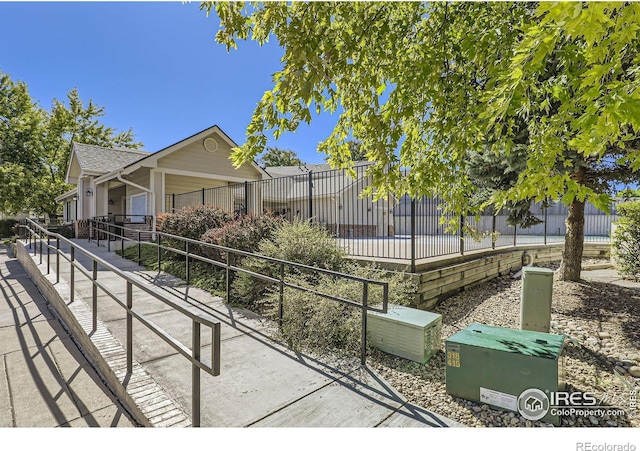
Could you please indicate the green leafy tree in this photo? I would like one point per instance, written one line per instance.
(421, 85)
(493, 173)
(21, 152)
(279, 157)
(35, 145)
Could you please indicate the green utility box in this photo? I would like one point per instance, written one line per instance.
(495, 365)
(535, 299)
(405, 332)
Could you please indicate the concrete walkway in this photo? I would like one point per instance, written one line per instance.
(45, 381)
(608, 275)
(262, 383)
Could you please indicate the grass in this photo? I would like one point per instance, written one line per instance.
(201, 274)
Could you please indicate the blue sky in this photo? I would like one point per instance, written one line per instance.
(153, 66)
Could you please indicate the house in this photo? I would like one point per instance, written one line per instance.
(131, 186)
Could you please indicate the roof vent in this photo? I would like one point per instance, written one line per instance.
(211, 145)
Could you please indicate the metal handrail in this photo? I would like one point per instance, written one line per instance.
(94, 225)
(32, 231)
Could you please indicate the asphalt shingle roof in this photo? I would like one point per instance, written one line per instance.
(105, 159)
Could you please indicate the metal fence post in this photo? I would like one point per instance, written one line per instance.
(40, 238)
(546, 211)
(310, 196)
(515, 234)
(246, 198)
(413, 235)
(159, 250)
(173, 202)
(461, 234)
(202, 196)
(493, 232)
(95, 296)
(139, 250)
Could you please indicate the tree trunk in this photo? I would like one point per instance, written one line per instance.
(573, 243)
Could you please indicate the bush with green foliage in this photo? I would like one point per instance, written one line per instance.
(191, 222)
(243, 233)
(6, 227)
(312, 322)
(625, 246)
(299, 242)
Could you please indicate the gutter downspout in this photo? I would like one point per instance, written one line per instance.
(153, 196)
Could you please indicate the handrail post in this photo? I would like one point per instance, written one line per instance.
(139, 250)
(385, 297)
(195, 376)
(129, 328)
(121, 242)
(186, 249)
(48, 254)
(159, 249)
(72, 274)
(94, 296)
(57, 259)
(365, 301)
(97, 231)
(515, 234)
(228, 276)
(281, 303)
(40, 239)
(90, 230)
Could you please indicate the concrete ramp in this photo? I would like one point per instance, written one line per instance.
(262, 383)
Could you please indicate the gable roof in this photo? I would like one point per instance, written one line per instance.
(152, 159)
(105, 159)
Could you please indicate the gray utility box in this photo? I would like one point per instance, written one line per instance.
(535, 299)
(405, 332)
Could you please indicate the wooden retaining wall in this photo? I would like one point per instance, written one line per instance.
(458, 273)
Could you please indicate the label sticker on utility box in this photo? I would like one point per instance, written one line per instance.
(497, 398)
(453, 355)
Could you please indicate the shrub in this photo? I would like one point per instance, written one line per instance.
(191, 222)
(625, 247)
(312, 322)
(6, 227)
(299, 242)
(243, 233)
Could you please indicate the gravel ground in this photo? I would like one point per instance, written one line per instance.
(601, 320)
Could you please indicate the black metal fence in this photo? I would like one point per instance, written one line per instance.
(394, 228)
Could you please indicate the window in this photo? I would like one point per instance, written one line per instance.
(138, 207)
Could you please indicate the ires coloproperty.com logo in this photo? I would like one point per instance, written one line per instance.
(534, 404)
